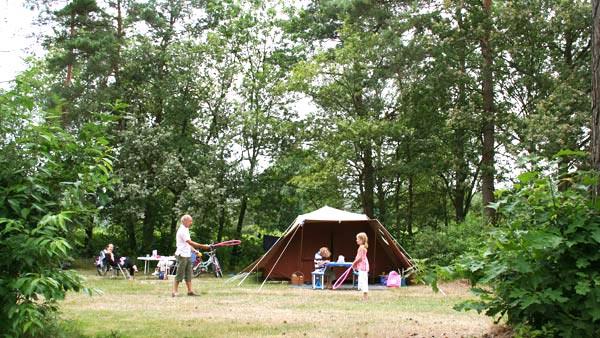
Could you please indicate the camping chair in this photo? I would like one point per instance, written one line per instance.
(100, 263)
(103, 267)
(318, 279)
(124, 272)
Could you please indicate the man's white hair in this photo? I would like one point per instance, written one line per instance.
(185, 217)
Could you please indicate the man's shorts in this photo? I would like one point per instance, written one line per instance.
(184, 269)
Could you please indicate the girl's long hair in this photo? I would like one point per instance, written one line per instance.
(363, 237)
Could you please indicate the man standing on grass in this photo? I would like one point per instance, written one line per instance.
(183, 254)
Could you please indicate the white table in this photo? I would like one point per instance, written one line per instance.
(149, 259)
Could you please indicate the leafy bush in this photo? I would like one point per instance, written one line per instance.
(442, 246)
(32, 279)
(49, 185)
(250, 250)
(540, 268)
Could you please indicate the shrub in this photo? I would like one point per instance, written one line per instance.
(49, 186)
(443, 245)
(540, 268)
(32, 280)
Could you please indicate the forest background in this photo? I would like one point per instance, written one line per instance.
(430, 116)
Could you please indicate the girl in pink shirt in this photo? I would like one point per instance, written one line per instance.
(361, 263)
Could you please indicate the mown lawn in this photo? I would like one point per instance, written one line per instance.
(145, 308)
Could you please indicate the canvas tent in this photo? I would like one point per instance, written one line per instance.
(336, 229)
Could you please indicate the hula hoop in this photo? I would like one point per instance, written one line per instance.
(342, 278)
(228, 243)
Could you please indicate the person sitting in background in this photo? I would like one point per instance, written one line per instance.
(108, 257)
(123, 261)
(322, 257)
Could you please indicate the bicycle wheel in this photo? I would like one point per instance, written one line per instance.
(217, 268)
(197, 270)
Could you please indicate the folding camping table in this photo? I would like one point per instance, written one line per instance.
(149, 259)
(345, 265)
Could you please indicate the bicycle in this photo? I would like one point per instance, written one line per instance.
(201, 266)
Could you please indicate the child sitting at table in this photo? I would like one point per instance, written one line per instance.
(321, 259)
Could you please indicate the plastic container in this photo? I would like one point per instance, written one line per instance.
(383, 279)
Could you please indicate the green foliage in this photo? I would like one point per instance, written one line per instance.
(442, 245)
(225, 109)
(53, 184)
(540, 269)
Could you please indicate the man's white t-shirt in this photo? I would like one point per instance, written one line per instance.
(183, 248)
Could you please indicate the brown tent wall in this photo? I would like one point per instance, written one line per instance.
(340, 237)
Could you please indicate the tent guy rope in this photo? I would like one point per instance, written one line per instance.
(278, 258)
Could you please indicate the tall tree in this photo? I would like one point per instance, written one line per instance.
(265, 57)
(489, 120)
(546, 81)
(595, 148)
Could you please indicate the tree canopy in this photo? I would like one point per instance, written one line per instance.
(245, 113)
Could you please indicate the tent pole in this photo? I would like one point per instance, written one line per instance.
(265, 255)
(278, 258)
(393, 240)
(376, 233)
(301, 250)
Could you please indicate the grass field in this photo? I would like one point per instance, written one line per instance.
(145, 308)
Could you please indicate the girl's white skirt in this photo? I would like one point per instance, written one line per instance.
(363, 281)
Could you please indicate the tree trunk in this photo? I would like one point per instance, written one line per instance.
(173, 233)
(369, 182)
(487, 156)
(595, 148)
(381, 207)
(365, 148)
(381, 200)
(566, 114)
(68, 79)
(409, 209)
(70, 65)
(120, 34)
(461, 167)
(460, 176)
(130, 230)
(238, 230)
(89, 234)
(222, 217)
(147, 230)
(397, 202)
(445, 204)
(244, 205)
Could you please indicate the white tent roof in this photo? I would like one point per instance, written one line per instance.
(330, 214)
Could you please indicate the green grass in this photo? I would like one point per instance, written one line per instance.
(145, 308)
